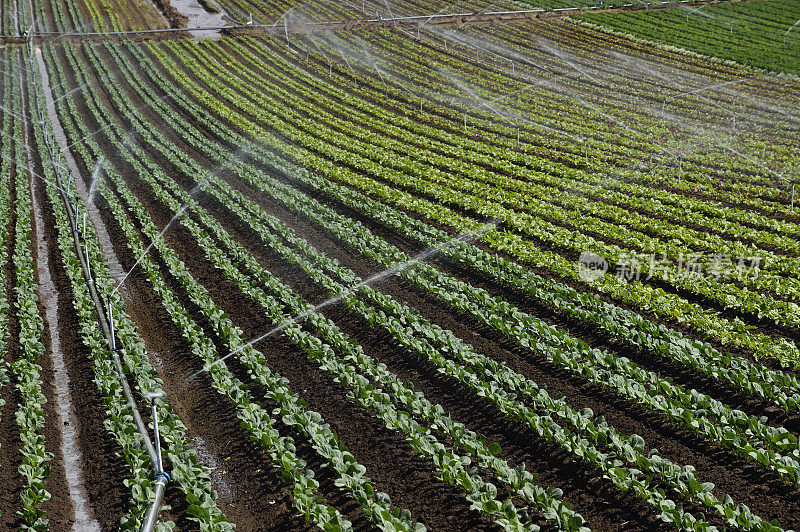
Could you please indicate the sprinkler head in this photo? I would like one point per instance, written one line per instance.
(152, 396)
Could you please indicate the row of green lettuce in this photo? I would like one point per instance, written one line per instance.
(24, 368)
(6, 164)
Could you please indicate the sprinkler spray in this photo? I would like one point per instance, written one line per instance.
(110, 310)
(89, 277)
(77, 202)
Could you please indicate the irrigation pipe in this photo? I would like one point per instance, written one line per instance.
(438, 18)
(162, 479)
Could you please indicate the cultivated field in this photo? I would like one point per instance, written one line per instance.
(455, 273)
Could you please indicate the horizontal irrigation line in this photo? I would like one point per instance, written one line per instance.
(131, 32)
(489, 16)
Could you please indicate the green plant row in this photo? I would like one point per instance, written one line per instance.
(7, 25)
(330, 171)
(392, 317)
(687, 407)
(66, 15)
(6, 165)
(30, 415)
(776, 438)
(652, 202)
(702, 121)
(83, 16)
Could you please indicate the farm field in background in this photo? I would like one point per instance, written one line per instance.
(759, 34)
(520, 275)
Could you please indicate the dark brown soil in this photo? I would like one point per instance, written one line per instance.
(10, 458)
(59, 508)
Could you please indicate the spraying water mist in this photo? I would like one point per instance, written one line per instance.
(423, 256)
(199, 187)
(696, 11)
(147, 250)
